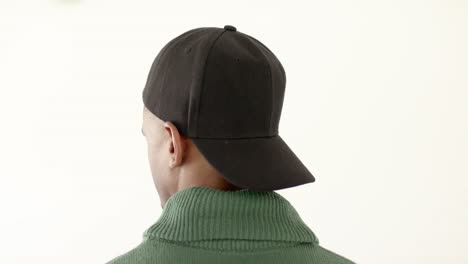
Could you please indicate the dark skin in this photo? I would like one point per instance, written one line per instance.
(175, 162)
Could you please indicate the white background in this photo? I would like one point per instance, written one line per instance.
(375, 107)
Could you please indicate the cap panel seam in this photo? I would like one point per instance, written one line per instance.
(270, 79)
(238, 138)
(203, 80)
(161, 55)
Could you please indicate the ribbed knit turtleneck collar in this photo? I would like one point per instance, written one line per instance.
(202, 213)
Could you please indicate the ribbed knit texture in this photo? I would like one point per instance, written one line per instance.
(206, 225)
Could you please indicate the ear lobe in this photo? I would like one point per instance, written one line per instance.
(172, 163)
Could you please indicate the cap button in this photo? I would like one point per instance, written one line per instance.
(230, 28)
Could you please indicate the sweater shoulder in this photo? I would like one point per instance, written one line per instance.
(159, 251)
(320, 254)
(133, 256)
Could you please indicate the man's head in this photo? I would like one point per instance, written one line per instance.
(224, 92)
(175, 161)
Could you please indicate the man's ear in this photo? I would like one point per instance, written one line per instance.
(177, 146)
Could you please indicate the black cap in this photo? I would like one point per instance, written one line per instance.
(224, 90)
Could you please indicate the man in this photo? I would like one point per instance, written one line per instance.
(212, 105)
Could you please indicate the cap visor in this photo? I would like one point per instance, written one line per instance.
(262, 164)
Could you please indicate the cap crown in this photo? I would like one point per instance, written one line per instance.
(217, 83)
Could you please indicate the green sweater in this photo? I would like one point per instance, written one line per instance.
(206, 225)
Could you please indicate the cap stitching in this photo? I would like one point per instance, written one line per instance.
(240, 138)
(160, 57)
(252, 40)
(153, 67)
(203, 80)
